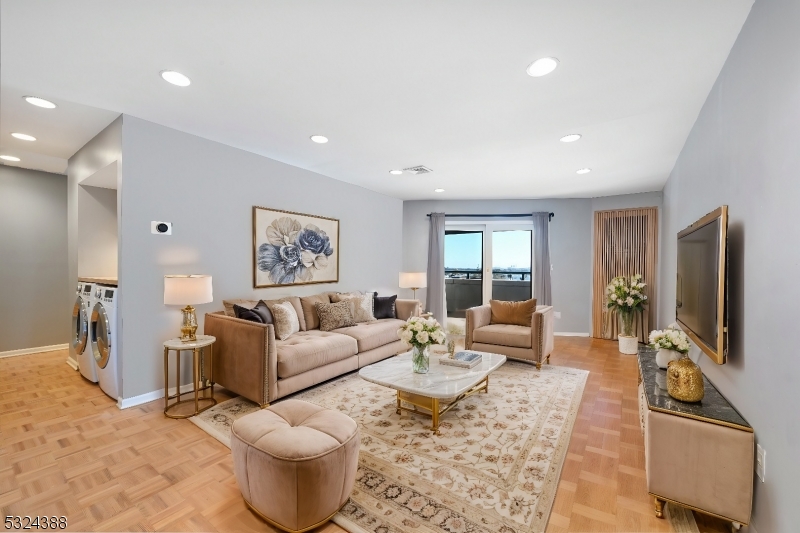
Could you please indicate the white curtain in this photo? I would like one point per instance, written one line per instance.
(541, 257)
(435, 296)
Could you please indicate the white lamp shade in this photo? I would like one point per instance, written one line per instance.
(187, 290)
(413, 280)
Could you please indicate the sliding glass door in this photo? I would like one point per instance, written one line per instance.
(511, 265)
(463, 270)
(486, 261)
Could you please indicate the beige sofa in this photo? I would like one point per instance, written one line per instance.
(250, 361)
(532, 344)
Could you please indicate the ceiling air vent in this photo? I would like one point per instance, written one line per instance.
(419, 169)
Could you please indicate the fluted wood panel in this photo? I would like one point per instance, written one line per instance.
(625, 243)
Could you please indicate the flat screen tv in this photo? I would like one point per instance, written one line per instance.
(702, 284)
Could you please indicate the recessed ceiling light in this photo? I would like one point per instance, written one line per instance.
(438, 190)
(175, 78)
(571, 138)
(321, 139)
(9, 158)
(39, 102)
(584, 171)
(542, 67)
(396, 172)
(23, 136)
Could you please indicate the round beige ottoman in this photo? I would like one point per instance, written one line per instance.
(295, 462)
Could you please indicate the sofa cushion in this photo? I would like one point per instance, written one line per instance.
(503, 335)
(385, 306)
(307, 350)
(362, 306)
(371, 335)
(335, 315)
(261, 312)
(309, 305)
(284, 319)
(298, 308)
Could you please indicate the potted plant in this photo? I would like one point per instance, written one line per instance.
(626, 295)
(671, 344)
(420, 333)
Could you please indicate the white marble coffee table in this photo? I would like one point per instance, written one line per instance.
(438, 391)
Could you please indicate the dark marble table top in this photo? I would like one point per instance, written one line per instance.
(712, 408)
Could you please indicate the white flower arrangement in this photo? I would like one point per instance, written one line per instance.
(626, 294)
(421, 332)
(670, 339)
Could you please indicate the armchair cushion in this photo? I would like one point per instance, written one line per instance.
(311, 349)
(503, 335)
(517, 313)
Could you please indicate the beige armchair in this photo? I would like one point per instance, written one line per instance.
(532, 344)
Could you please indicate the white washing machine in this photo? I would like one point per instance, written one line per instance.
(81, 345)
(103, 338)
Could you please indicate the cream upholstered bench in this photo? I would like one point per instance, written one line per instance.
(295, 463)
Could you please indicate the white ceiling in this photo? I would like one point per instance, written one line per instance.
(441, 84)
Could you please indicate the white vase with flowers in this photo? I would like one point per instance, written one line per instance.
(626, 295)
(420, 333)
(672, 344)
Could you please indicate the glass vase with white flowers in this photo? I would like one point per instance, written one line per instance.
(420, 333)
(626, 295)
(672, 344)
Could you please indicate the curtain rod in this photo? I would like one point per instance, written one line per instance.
(550, 217)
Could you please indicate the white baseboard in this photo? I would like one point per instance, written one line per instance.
(39, 349)
(73, 363)
(124, 403)
(570, 334)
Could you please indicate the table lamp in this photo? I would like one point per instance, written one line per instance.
(187, 290)
(413, 281)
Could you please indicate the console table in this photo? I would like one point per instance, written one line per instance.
(698, 455)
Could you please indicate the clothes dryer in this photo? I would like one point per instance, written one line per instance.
(103, 337)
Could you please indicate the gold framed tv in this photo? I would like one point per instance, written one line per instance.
(701, 300)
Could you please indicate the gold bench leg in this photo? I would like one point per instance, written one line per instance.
(659, 507)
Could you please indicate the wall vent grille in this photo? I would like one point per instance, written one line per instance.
(418, 169)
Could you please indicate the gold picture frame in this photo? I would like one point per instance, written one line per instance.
(291, 248)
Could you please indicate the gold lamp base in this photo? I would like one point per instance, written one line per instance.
(189, 324)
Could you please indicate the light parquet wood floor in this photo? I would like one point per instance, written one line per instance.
(65, 449)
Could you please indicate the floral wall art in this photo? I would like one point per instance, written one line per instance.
(294, 248)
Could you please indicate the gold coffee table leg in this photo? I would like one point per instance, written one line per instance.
(398, 403)
(435, 415)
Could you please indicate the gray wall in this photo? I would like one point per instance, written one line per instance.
(570, 243)
(743, 152)
(97, 232)
(33, 259)
(207, 190)
(102, 150)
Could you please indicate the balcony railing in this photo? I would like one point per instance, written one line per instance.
(464, 288)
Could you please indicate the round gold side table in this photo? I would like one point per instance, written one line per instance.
(202, 385)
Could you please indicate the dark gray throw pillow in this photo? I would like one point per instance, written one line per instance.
(385, 306)
(260, 313)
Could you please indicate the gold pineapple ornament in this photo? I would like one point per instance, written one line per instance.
(685, 380)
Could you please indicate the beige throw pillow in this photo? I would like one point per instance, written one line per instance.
(363, 306)
(335, 315)
(284, 319)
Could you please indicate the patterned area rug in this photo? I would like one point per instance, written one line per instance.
(494, 468)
